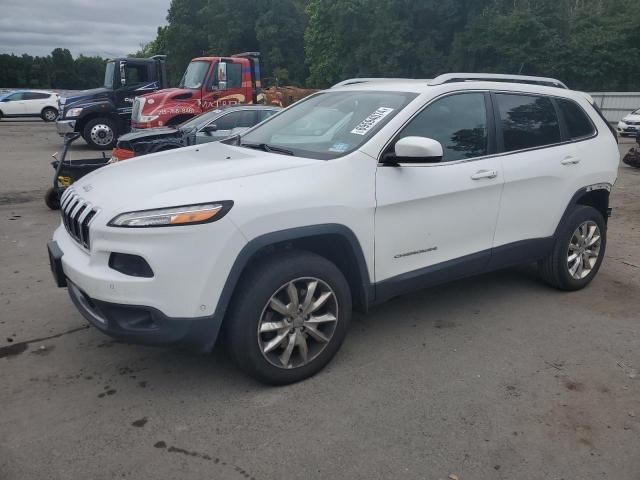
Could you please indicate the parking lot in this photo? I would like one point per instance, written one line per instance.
(493, 377)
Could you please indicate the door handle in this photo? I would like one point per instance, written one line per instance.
(479, 175)
(570, 161)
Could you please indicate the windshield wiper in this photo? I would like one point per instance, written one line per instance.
(267, 148)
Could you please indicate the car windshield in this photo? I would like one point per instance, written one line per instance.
(194, 76)
(201, 120)
(108, 74)
(637, 112)
(329, 124)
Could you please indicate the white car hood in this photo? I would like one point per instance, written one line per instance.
(201, 173)
(631, 118)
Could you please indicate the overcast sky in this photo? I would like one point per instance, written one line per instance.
(108, 28)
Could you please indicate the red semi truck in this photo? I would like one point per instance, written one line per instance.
(208, 83)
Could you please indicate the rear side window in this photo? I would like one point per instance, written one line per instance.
(35, 96)
(242, 118)
(527, 121)
(577, 122)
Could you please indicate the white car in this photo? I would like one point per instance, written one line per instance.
(30, 103)
(629, 126)
(350, 197)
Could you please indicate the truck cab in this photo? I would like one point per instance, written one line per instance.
(102, 114)
(208, 83)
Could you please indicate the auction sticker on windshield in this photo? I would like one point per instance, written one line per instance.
(371, 121)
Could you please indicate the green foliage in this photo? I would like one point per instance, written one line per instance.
(58, 70)
(589, 44)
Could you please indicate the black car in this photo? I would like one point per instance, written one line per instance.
(208, 127)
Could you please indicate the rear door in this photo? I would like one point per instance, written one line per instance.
(538, 166)
(440, 216)
(34, 102)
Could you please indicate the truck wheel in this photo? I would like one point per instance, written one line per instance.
(100, 133)
(577, 251)
(49, 114)
(289, 316)
(52, 199)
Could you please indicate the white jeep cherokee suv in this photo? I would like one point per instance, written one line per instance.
(354, 195)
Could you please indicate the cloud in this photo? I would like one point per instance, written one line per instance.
(108, 28)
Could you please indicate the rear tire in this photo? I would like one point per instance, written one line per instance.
(100, 133)
(577, 252)
(281, 328)
(52, 199)
(49, 114)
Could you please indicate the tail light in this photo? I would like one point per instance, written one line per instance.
(120, 154)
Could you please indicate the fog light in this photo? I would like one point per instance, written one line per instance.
(132, 265)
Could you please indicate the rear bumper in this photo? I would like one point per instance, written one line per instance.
(145, 325)
(65, 126)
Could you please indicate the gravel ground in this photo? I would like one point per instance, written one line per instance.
(493, 377)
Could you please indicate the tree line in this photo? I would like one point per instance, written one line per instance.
(589, 44)
(59, 70)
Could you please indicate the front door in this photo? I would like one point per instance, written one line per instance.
(439, 217)
(14, 104)
(225, 86)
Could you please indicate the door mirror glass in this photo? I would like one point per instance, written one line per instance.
(222, 76)
(123, 73)
(418, 150)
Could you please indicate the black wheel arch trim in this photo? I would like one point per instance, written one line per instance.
(257, 244)
(575, 200)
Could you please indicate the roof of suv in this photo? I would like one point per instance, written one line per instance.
(463, 81)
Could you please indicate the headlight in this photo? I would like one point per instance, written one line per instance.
(73, 112)
(174, 216)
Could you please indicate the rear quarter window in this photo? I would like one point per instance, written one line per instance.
(576, 120)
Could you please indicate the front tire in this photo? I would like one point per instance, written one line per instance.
(49, 114)
(288, 318)
(578, 250)
(100, 133)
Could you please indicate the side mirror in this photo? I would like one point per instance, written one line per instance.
(418, 150)
(222, 76)
(123, 74)
(209, 129)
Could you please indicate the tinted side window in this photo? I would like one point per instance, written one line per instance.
(458, 122)
(35, 96)
(234, 75)
(264, 114)
(136, 74)
(577, 122)
(15, 96)
(527, 121)
(245, 118)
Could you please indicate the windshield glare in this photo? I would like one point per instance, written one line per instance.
(108, 75)
(330, 124)
(194, 76)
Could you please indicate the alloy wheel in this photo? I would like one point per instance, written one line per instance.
(297, 323)
(584, 250)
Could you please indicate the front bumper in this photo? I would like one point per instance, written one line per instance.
(136, 323)
(65, 126)
(145, 325)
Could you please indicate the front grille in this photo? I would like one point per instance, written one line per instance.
(633, 123)
(77, 215)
